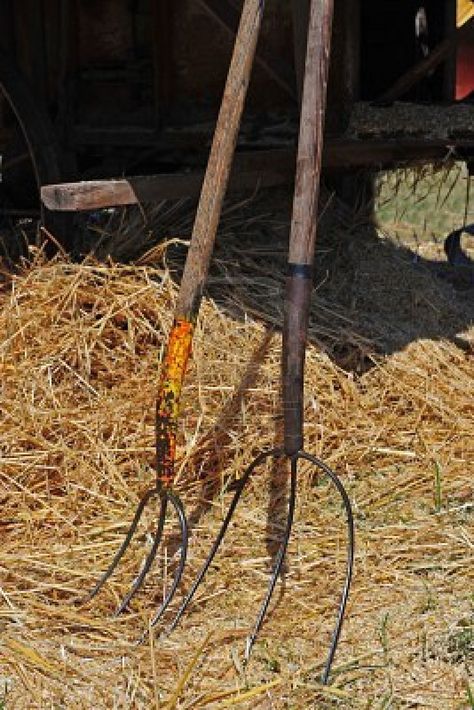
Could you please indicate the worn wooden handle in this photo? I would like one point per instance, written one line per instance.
(303, 227)
(220, 161)
(310, 143)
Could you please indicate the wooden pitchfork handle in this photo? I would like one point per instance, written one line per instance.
(299, 281)
(203, 237)
(220, 161)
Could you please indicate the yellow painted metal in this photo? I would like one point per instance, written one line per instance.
(465, 11)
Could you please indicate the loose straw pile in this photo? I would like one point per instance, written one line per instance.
(79, 361)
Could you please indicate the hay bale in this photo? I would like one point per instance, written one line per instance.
(79, 362)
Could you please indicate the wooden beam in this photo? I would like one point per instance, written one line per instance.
(253, 169)
(100, 194)
(343, 84)
(228, 17)
(342, 154)
(441, 52)
(259, 169)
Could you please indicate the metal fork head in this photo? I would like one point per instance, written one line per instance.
(166, 423)
(167, 498)
(280, 556)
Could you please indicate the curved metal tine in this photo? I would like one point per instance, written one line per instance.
(149, 558)
(125, 544)
(350, 558)
(278, 562)
(240, 485)
(178, 506)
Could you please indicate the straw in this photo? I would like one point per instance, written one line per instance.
(389, 408)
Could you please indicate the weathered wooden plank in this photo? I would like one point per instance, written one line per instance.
(265, 169)
(384, 153)
(254, 169)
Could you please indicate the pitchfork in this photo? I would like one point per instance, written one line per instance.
(187, 307)
(297, 306)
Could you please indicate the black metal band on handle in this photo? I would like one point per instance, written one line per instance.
(299, 284)
(302, 271)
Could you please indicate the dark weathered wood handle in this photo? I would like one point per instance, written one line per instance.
(220, 162)
(304, 220)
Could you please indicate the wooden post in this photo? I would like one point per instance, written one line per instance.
(343, 82)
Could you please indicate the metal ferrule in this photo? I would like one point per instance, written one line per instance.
(299, 285)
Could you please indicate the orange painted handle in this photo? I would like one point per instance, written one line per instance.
(169, 394)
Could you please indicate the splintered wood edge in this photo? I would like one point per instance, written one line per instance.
(88, 195)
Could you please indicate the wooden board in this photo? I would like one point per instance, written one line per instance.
(276, 168)
(252, 170)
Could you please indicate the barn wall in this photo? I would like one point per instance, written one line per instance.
(202, 53)
(191, 50)
(105, 50)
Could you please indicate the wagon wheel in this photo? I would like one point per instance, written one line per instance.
(30, 154)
